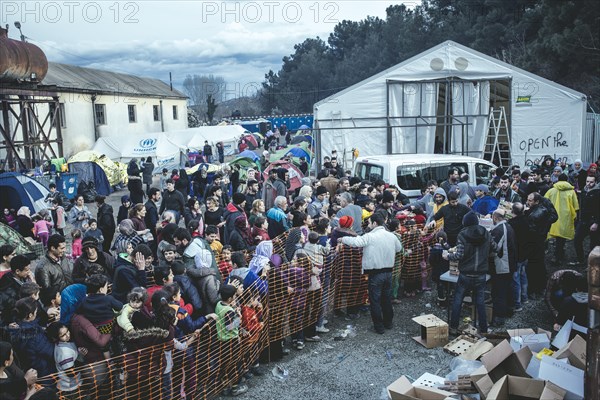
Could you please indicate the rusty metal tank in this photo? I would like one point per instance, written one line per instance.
(19, 60)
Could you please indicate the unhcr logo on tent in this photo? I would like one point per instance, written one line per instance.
(146, 146)
(147, 143)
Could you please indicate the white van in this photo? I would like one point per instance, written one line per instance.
(411, 172)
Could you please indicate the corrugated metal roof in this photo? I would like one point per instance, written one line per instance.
(78, 79)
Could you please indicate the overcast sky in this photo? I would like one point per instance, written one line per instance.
(239, 40)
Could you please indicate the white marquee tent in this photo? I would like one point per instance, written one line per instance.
(441, 99)
(169, 148)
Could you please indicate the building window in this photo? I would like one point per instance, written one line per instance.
(100, 114)
(175, 114)
(156, 111)
(60, 118)
(132, 113)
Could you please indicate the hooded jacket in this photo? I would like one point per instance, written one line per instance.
(199, 247)
(33, 347)
(207, 285)
(428, 204)
(231, 213)
(563, 197)
(127, 276)
(472, 250)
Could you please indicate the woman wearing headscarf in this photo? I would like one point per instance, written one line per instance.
(241, 236)
(293, 243)
(127, 234)
(577, 175)
(262, 257)
(24, 222)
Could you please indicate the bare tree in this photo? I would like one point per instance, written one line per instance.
(199, 87)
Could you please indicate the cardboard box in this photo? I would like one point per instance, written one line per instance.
(434, 331)
(524, 388)
(575, 351)
(402, 389)
(501, 361)
(564, 375)
(535, 342)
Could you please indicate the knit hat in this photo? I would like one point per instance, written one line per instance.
(321, 190)
(125, 199)
(89, 241)
(483, 188)
(470, 219)
(387, 197)
(346, 221)
(238, 198)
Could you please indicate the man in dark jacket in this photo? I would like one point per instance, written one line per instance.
(54, 269)
(92, 254)
(474, 244)
(505, 193)
(589, 217)
(10, 286)
(252, 193)
(232, 211)
(130, 272)
(541, 214)
(172, 200)
(151, 218)
(453, 214)
(106, 222)
(521, 228)
(208, 152)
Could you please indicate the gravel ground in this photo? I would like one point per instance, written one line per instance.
(361, 367)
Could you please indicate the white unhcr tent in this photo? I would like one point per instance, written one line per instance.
(441, 99)
(165, 153)
(169, 149)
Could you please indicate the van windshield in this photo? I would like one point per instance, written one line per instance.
(369, 172)
(416, 176)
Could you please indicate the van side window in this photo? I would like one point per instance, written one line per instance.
(369, 172)
(416, 176)
(483, 173)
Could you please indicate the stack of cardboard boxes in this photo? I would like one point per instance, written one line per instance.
(522, 366)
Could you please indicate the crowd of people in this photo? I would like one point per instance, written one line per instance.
(175, 259)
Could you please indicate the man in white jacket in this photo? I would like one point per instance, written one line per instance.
(379, 250)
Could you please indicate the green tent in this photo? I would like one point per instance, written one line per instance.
(295, 151)
(245, 163)
(10, 236)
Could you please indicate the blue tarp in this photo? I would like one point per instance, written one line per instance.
(249, 154)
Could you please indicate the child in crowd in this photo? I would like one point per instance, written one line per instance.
(163, 179)
(260, 230)
(251, 325)
(298, 280)
(124, 209)
(98, 307)
(439, 265)
(60, 223)
(32, 290)
(76, 247)
(41, 228)
(51, 300)
(225, 265)
(315, 298)
(169, 255)
(228, 324)
(135, 300)
(67, 358)
(323, 229)
(94, 232)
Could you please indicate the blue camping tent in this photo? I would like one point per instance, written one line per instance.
(89, 171)
(249, 154)
(17, 190)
